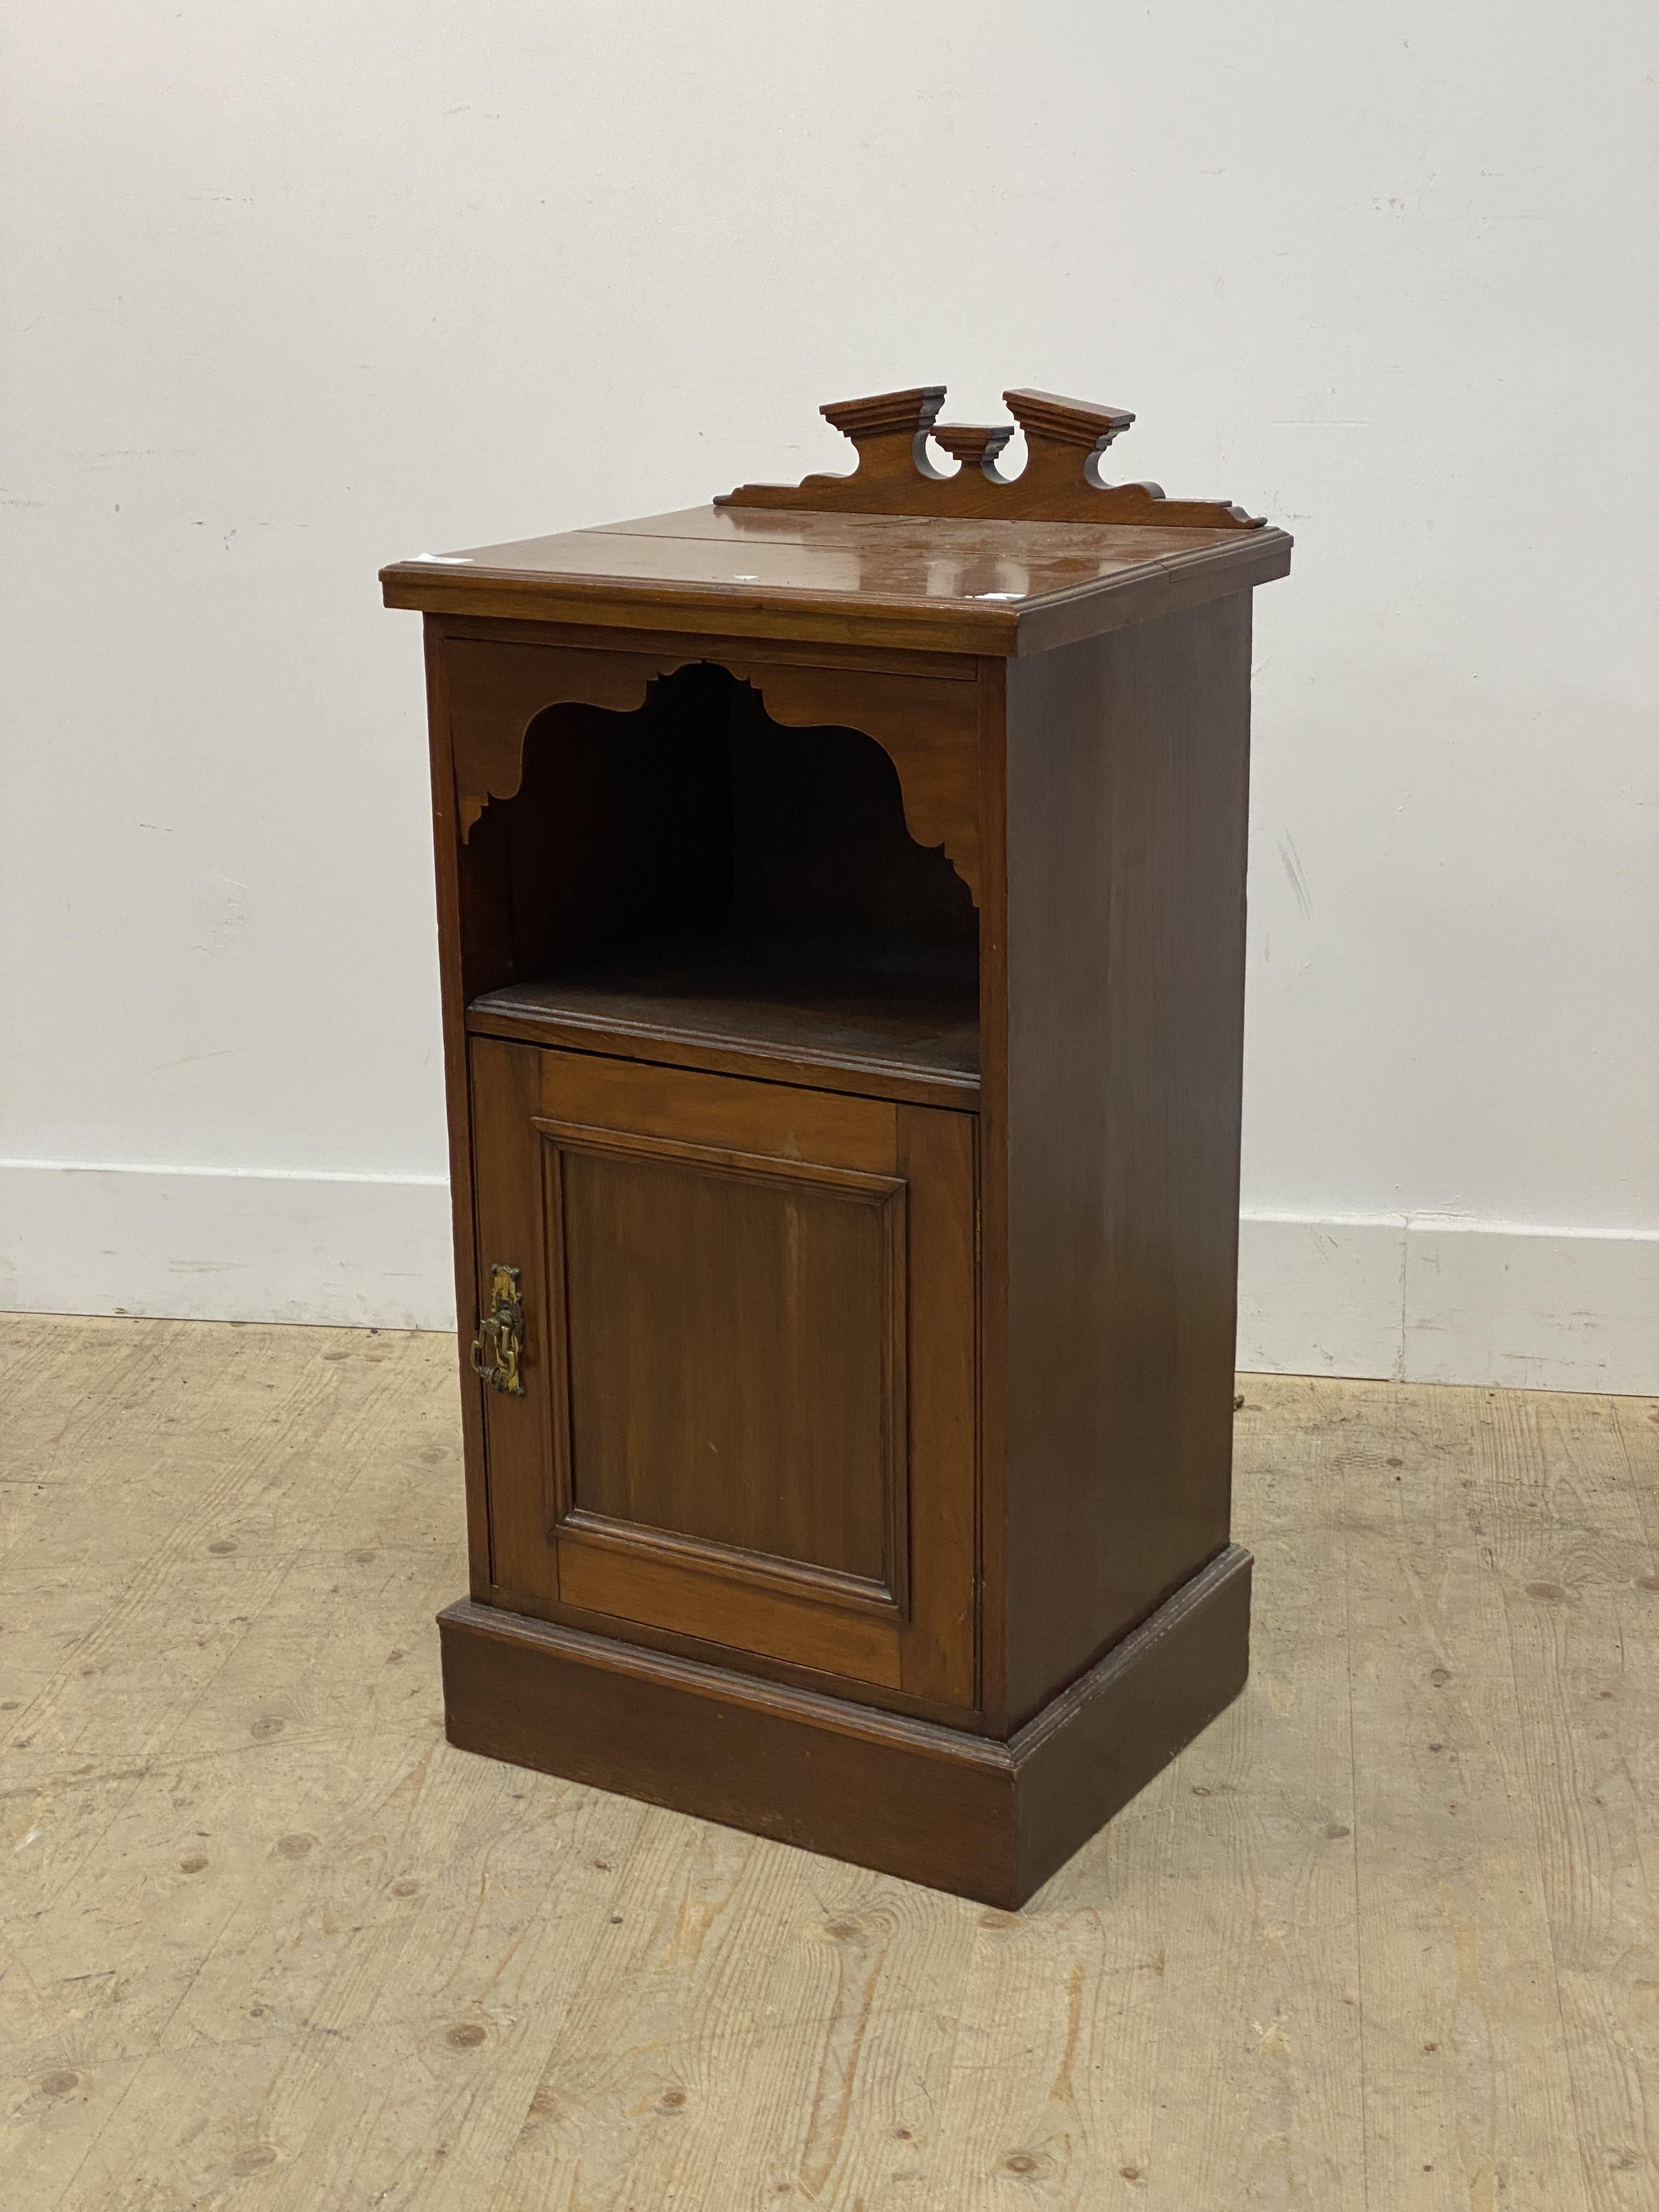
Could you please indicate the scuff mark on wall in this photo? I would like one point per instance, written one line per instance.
(1293, 869)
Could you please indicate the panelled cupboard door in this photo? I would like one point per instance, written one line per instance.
(748, 1369)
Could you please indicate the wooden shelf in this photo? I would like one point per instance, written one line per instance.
(841, 1010)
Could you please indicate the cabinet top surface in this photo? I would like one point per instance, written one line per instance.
(895, 552)
(942, 583)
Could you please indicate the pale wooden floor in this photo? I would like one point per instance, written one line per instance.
(1384, 1938)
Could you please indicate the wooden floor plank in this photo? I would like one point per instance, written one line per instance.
(1636, 1424)
(1554, 1489)
(460, 2027)
(1383, 1938)
(51, 2118)
(1261, 2097)
(1058, 2070)
(631, 2101)
(841, 2099)
(1465, 2069)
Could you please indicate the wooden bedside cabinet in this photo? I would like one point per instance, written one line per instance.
(841, 918)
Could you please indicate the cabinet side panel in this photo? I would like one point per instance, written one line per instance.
(1128, 769)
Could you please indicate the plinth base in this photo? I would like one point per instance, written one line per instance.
(988, 1819)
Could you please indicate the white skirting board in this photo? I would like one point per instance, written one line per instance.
(1418, 1299)
(1429, 1298)
(192, 1244)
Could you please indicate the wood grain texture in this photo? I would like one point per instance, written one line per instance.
(494, 694)
(1062, 2062)
(1463, 2001)
(859, 586)
(405, 1975)
(640, 2082)
(1062, 1482)
(1274, 2128)
(841, 1010)
(1060, 481)
(762, 652)
(992, 1196)
(1550, 1483)
(749, 1368)
(987, 1819)
(473, 953)
(674, 1256)
(1127, 781)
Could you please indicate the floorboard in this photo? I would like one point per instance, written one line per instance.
(1384, 1939)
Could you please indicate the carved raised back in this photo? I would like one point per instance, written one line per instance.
(1056, 432)
(890, 430)
(975, 447)
(1060, 481)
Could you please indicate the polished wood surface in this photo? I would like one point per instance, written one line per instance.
(988, 1819)
(843, 997)
(1060, 481)
(942, 584)
(1128, 763)
(732, 1337)
(723, 648)
(749, 1366)
(927, 726)
(472, 954)
(690, 807)
(847, 1009)
(975, 445)
(1381, 1934)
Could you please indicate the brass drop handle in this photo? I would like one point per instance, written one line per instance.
(499, 1341)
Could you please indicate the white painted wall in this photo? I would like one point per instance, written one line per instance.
(293, 289)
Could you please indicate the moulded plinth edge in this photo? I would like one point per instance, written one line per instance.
(959, 1812)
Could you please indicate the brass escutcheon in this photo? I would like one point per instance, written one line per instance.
(500, 1341)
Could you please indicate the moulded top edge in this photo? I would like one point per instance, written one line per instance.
(950, 585)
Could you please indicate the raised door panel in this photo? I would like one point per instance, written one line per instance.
(721, 1316)
(748, 1379)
